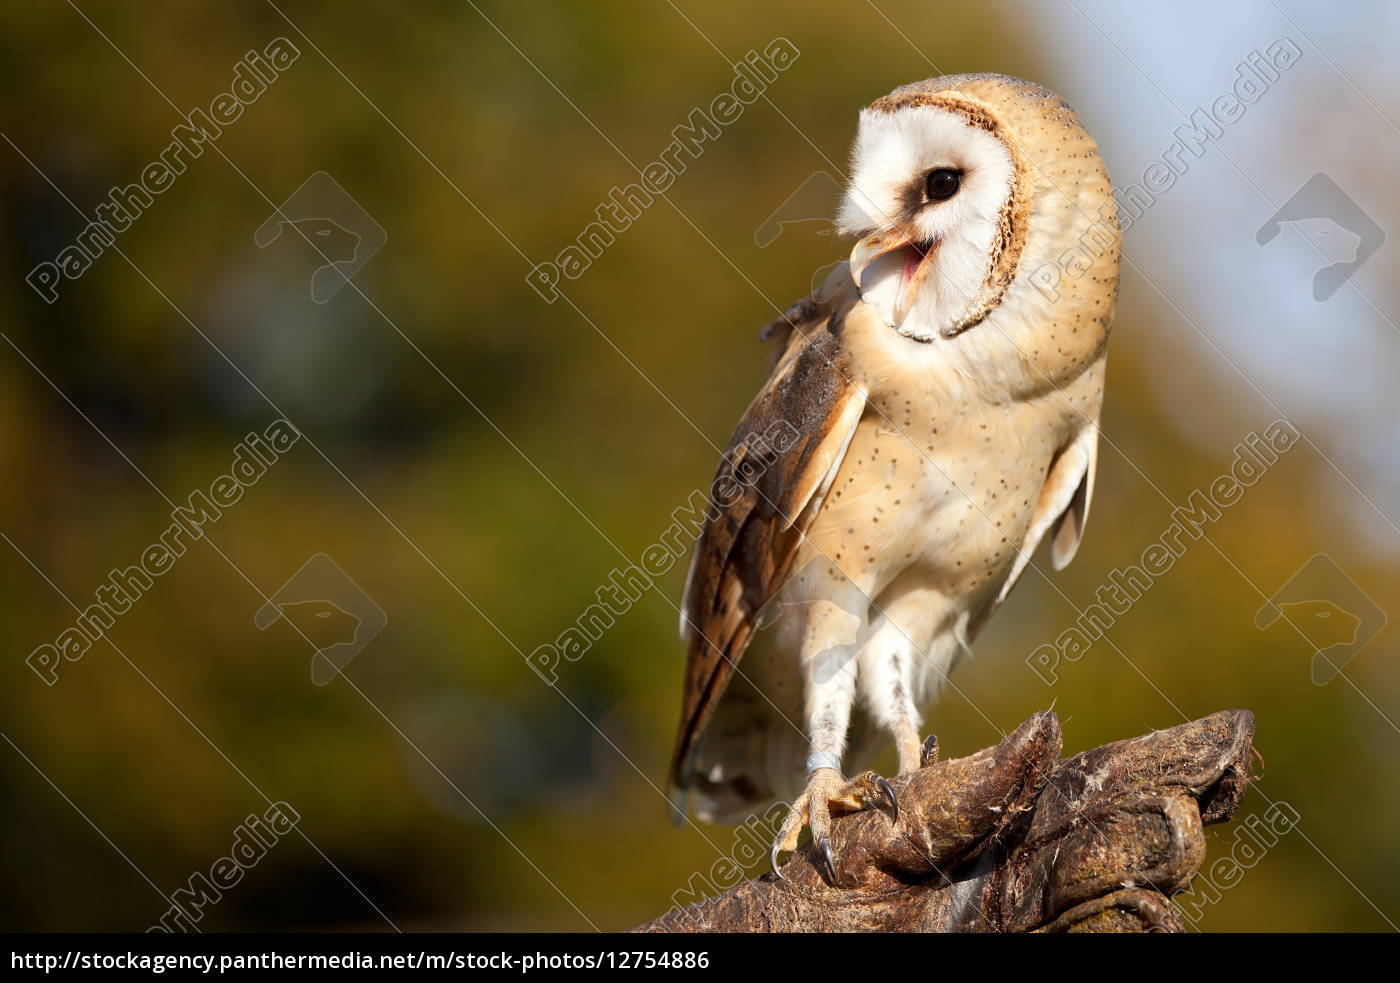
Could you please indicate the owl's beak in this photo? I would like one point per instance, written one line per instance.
(915, 263)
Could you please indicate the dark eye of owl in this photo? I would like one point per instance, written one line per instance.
(943, 184)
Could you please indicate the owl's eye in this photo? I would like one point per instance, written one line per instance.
(943, 184)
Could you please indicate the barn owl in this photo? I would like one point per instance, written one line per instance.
(946, 407)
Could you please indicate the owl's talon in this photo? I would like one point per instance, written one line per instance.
(889, 794)
(826, 791)
(824, 845)
(928, 754)
(869, 790)
(799, 815)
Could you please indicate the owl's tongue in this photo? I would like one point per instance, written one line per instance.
(912, 258)
(885, 253)
(908, 278)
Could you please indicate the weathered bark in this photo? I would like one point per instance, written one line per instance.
(1012, 840)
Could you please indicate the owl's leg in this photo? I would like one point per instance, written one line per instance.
(809, 809)
(907, 744)
(887, 669)
(829, 685)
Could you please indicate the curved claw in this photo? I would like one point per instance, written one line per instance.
(773, 861)
(928, 754)
(884, 786)
(824, 845)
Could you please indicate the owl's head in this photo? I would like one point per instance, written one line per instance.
(961, 188)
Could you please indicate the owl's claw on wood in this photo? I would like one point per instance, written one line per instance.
(928, 753)
(889, 794)
(812, 808)
(867, 791)
(773, 861)
(824, 846)
(827, 793)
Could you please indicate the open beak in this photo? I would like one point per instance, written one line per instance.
(916, 262)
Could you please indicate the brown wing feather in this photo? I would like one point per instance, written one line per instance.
(764, 496)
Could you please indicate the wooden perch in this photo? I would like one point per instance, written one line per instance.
(1011, 839)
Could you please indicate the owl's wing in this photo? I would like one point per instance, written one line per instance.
(1063, 506)
(770, 483)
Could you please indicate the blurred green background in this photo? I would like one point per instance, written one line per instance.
(478, 461)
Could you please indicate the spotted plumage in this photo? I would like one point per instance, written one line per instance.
(947, 406)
